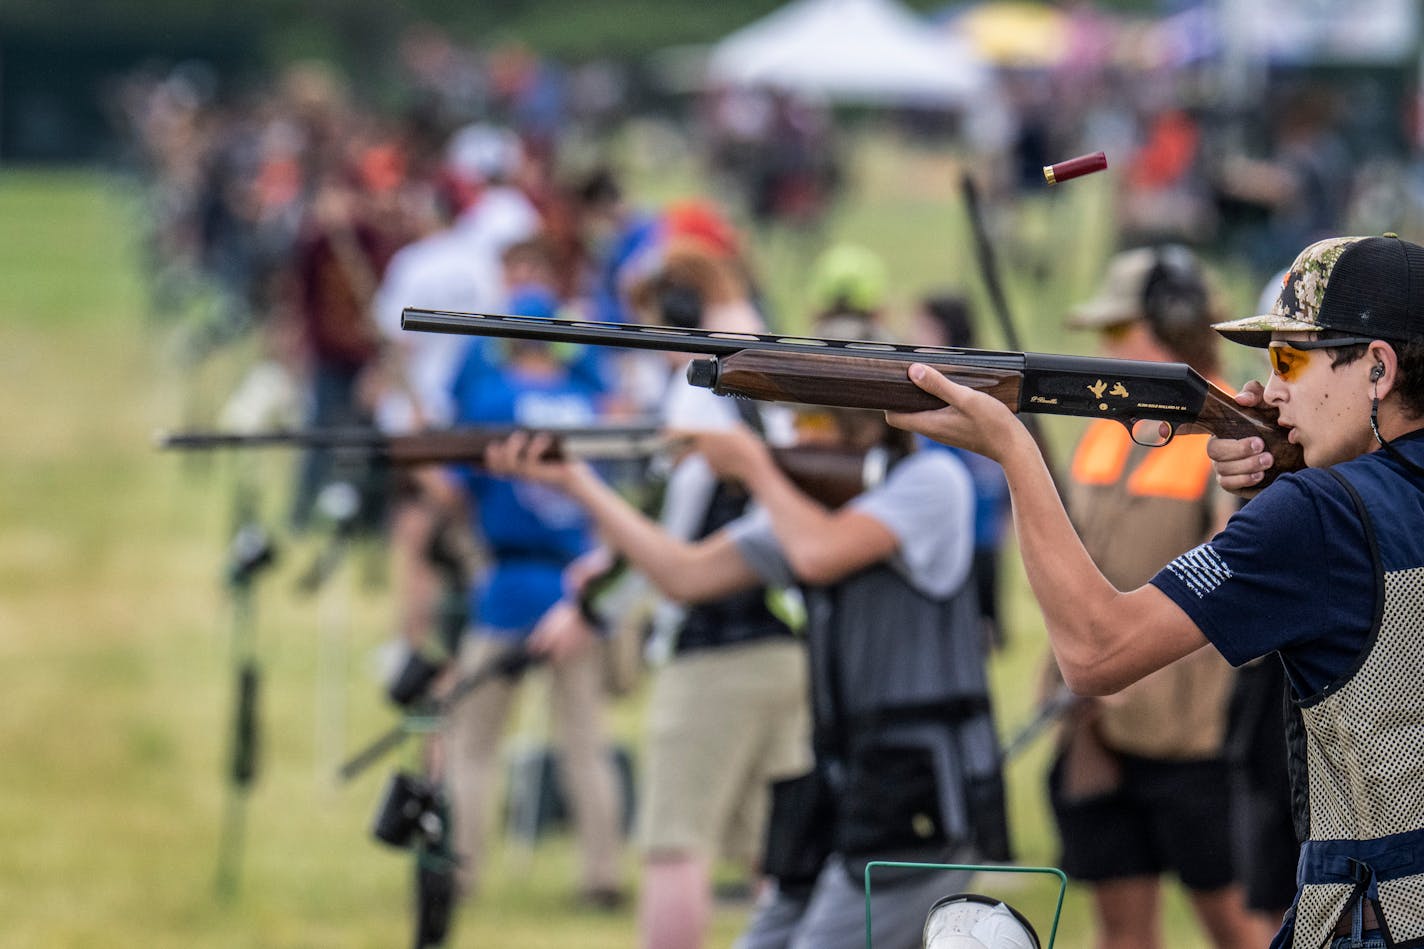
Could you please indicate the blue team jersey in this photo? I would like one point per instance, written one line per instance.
(532, 530)
(1319, 612)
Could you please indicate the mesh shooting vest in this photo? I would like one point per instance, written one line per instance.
(1363, 741)
(898, 676)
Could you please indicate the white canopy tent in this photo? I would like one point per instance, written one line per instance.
(864, 51)
(1324, 31)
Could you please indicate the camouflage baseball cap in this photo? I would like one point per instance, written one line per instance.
(1367, 286)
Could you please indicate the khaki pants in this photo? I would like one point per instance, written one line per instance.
(722, 725)
(585, 768)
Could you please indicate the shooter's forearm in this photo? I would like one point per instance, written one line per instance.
(682, 571)
(801, 523)
(1075, 597)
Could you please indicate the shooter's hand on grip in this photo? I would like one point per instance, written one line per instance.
(1242, 463)
(1243, 418)
(589, 567)
(561, 633)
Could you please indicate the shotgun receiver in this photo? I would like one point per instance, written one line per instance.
(1143, 396)
(830, 475)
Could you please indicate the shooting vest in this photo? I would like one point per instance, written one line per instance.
(742, 617)
(1137, 508)
(1360, 757)
(902, 723)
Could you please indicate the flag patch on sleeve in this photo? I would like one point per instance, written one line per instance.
(1200, 569)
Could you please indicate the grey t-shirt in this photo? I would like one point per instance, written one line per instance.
(927, 502)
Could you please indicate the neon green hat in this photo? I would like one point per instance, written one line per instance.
(848, 275)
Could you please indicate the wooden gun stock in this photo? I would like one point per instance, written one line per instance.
(1222, 417)
(832, 476)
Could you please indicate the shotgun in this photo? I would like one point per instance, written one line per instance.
(830, 475)
(444, 446)
(1154, 400)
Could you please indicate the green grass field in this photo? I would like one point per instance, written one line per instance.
(115, 678)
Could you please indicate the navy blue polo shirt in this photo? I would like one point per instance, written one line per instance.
(1291, 573)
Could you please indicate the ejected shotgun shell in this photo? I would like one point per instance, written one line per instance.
(1075, 167)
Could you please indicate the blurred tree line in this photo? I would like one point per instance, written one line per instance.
(349, 28)
(57, 56)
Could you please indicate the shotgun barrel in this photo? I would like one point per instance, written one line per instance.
(447, 446)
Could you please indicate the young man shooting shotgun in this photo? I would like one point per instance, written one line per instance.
(1325, 568)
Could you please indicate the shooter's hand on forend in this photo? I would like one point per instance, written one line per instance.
(521, 456)
(1241, 463)
(970, 419)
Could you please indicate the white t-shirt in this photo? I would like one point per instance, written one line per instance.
(927, 502)
(454, 269)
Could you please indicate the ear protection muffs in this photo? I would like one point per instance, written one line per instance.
(971, 919)
(1174, 295)
(678, 305)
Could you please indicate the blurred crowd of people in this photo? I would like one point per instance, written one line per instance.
(1308, 155)
(234, 174)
